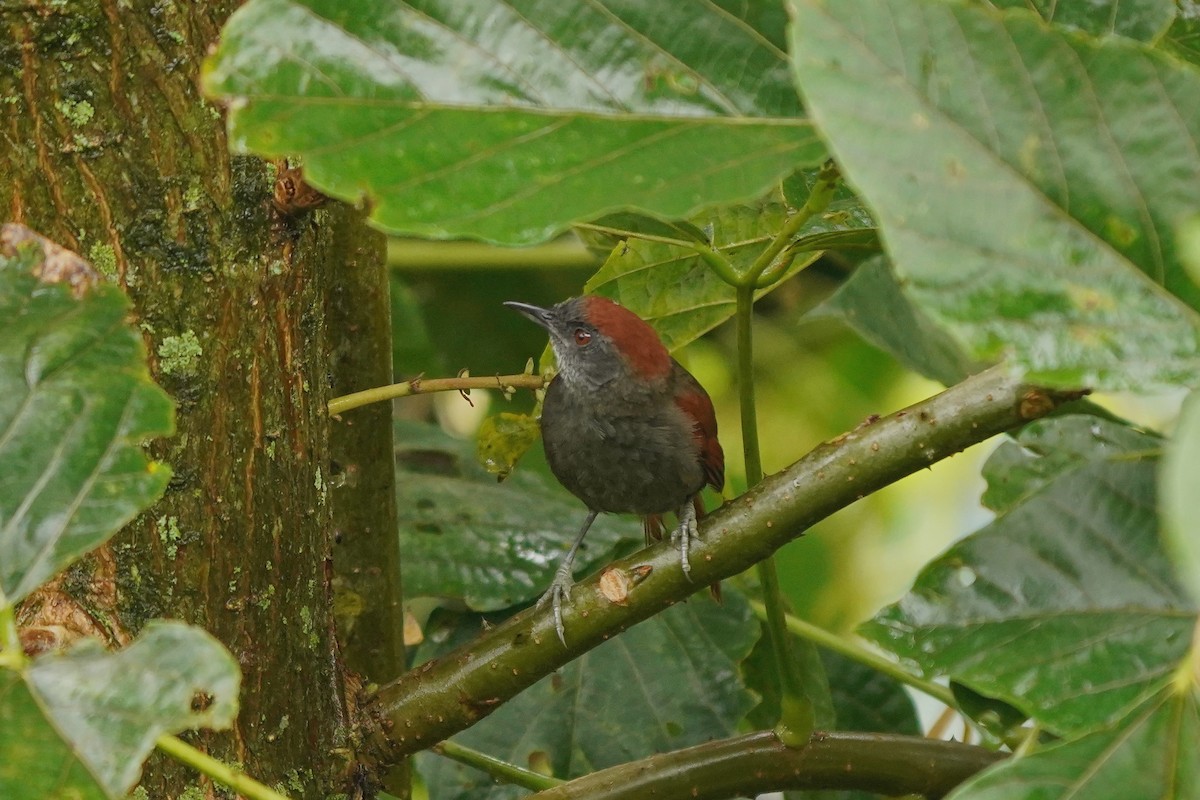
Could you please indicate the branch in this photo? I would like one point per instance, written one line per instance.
(505, 383)
(219, 772)
(760, 762)
(453, 692)
(500, 770)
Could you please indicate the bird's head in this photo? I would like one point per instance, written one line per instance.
(597, 341)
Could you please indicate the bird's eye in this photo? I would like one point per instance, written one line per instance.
(582, 337)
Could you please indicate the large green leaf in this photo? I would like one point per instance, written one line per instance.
(1151, 753)
(38, 763)
(76, 404)
(494, 545)
(668, 683)
(1026, 179)
(80, 724)
(873, 303)
(1066, 606)
(669, 285)
(1183, 37)
(1137, 19)
(1044, 451)
(509, 121)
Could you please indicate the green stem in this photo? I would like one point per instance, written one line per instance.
(818, 201)
(777, 269)
(797, 714)
(221, 773)
(717, 263)
(745, 376)
(504, 383)
(863, 655)
(501, 770)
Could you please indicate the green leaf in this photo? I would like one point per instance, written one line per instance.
(873, 303)
(866, 700)
(1136, 19)
(465, 536)
(503, 438)
(670, 286)
(1149, 753)
(1045, 450)
(37, 762)
(673, 289)
(1064, 607)
(88, 718)
(996, 717)
(510, 122)
(1183, 37)
(1026, 180)
(762, 677)
(1180, 489)
(845, 224)
(862, 699)
(76, 404)
(667, 683)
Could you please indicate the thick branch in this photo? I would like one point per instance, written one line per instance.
(749, 765)
(453, 692)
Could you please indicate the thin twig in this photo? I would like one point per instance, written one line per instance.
(498, 769)
(221, 773)
(340, 405)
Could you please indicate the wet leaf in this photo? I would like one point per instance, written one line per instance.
(873, 303)
(1147, 753)
(1066, 606)
(1046, 450)
(1026, 180)
(88, 718)
(464, 536)
(509, 123)
(76, 404)
(1137, 19)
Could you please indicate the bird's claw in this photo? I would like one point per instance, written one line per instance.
(684, 535)
(559, 590)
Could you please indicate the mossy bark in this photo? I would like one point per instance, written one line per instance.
(111, 151)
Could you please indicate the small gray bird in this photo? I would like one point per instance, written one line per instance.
(626, 428)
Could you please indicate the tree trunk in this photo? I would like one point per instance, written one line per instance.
(111, 151)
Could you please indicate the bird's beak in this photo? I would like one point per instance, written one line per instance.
(536, 313)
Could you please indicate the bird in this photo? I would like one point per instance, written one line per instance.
(625, 427)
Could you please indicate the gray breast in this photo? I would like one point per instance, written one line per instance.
(620, 456)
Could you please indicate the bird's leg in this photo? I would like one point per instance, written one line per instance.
(684, 534)
(560, 589)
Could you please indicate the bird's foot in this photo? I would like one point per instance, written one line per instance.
(687, 531)
(560, 590)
